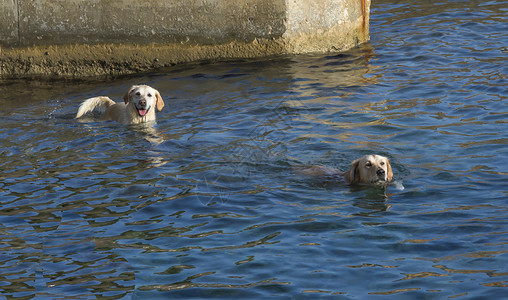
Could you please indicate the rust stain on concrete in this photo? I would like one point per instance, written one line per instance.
(364, 19)
(96, 40)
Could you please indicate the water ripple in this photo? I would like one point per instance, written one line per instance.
(206, 203)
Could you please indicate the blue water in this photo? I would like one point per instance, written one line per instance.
(206, 203)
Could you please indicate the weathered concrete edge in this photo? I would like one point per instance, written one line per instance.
(120, 59)
(82, 60)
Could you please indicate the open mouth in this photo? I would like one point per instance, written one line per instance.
(142, 111)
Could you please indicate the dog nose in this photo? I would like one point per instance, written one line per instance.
(142, 102)
(380, 172)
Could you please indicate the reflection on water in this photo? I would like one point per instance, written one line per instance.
(205, 203)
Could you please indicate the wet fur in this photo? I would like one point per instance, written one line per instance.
(364, 170)
(126, 112)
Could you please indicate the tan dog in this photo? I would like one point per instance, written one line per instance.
(368, 169)
(138, 107)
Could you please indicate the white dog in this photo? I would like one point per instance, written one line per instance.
(138, 107)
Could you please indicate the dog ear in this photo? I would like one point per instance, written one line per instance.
(127, 95)
(159, 102)
(353, 174)
(389, 172)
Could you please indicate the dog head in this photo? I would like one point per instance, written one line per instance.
(371, 169)
(143, 98)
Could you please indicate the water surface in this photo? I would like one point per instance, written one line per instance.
(205, 203)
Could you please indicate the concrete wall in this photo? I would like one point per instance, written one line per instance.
(50, 22)
(9, 34)
(66, 37)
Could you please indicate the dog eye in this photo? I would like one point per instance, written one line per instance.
(368, 164)
(149, 95)
(382, 163)
(138, 93)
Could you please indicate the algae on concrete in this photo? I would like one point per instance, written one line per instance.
(82, 38)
